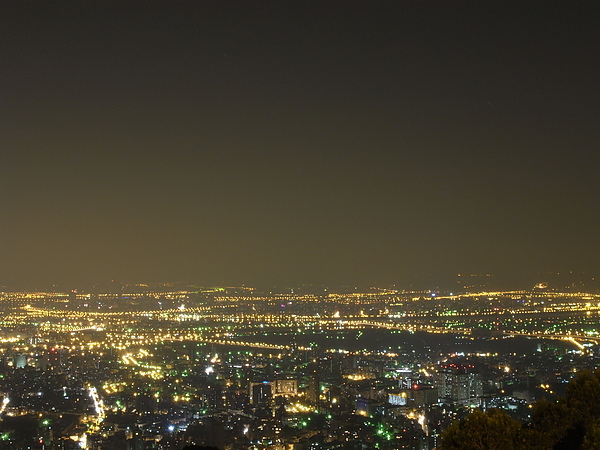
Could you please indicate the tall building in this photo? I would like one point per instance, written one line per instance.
(19, 361)
(260, 393)
(458, 383)
(286, 387)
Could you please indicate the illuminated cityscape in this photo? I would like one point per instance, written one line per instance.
(306, 225)
(241, 368)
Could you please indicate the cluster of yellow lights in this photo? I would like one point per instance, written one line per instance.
(299, 408)
(114, 387)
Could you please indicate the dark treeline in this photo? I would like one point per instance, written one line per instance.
(572, 423)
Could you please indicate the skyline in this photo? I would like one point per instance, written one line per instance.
(244, 369)
(331, 142)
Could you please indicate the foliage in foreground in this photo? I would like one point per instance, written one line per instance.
(572, 423)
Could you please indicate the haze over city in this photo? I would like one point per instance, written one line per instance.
(309, 142)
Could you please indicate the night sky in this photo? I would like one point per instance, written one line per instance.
(297, 142)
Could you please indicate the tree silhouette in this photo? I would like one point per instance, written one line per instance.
(490, 430)
(569, 423)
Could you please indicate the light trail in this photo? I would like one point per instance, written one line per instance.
(98, 403)
(4, 404)
(100, 414)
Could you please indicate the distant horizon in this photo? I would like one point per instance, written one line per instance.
(567, 280)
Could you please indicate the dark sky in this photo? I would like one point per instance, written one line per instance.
(297, 142)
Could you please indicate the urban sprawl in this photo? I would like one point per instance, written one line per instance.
(162, 367)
